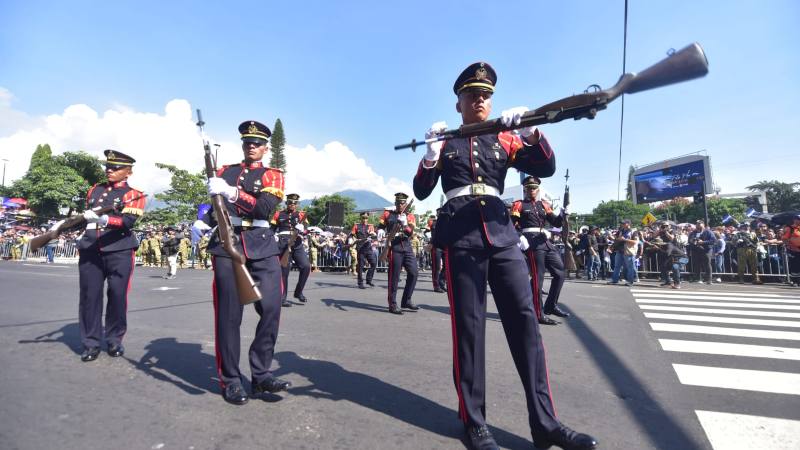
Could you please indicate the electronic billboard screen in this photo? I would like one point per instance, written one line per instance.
(680, 180)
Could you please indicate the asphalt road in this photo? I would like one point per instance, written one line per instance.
(366, 379)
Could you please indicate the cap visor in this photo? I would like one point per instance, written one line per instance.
(254, 140)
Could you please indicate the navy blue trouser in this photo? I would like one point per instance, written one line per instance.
(437, 272)
(228, 318)
(401, 259)
(365, 254)
(468, 271)
(95, 269)
(540, 258)
(300, 257)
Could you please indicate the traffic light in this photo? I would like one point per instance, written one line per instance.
(699, 198)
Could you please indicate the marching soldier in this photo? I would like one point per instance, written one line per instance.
(362, 235)
(437, 272)
(480, 243)
(284, 222)
(252, 191)
(107, 253)
(531, 217)
(401, 254)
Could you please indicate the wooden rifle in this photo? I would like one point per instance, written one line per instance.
(392, 233)
(73, 222)
(288, 250)
(686, 64)
(246, 287)
(569, 258)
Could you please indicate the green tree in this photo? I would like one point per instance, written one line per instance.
(84, 164)
(719, 207)
(277, 143)
(49, 184)
(186, 192)
(678, 209)
(780, 196)
(628, 191)
(316, 210)
(612, 212)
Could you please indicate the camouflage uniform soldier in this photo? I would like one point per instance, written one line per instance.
(202, 247)
(353, 261)
(745, 241)
(144, 250)
(313, 250)
(155, 249)
(16, 249)
(183, 251)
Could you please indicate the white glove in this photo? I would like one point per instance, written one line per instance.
(56, 225)
(564, 211)
(403, 219)
(435, 148)
(523, 243)
(513, 117)
(90, 216)
(219, 186)
(299, 227)
(103, 220)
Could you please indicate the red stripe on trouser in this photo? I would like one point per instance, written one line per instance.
(434, 268)
(128, 289)
(537, 292)
(391, 265)
(462, 410)
(217, 356)
(547, 377)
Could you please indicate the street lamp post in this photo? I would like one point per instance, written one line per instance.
(4, 172)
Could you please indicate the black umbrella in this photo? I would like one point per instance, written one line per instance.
(785, 218)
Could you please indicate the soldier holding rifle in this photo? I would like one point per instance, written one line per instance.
(362, 235)
(252, 191)
(399, 227)
(479, 241)
(107, 251)
(290, 225)
(532, 216)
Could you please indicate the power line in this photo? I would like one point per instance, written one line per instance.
(622, 98)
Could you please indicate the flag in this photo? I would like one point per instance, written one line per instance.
(750, 212)
(727, 218)
(648, 219)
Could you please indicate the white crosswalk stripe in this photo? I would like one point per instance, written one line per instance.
(750, 323)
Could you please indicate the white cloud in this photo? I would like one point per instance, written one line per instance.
(334, 168)
(172, 137)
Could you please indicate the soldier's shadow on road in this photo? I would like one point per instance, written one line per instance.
(182, 364)
(68, 335)
(333, 382)
(344, 305)
(657, 422)
(446, 310)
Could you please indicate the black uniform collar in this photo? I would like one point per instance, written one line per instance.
(252, 165)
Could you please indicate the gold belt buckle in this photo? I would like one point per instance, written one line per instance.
(247, 223)
(478, 189)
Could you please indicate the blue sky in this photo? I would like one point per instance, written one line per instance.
(369, 75)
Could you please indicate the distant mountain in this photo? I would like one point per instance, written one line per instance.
(365, 200)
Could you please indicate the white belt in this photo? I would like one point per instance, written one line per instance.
(91, 226)
(239, 222)
(472, 189)
(284, 233)
(536, 230)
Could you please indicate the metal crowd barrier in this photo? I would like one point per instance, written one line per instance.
(773, 264)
